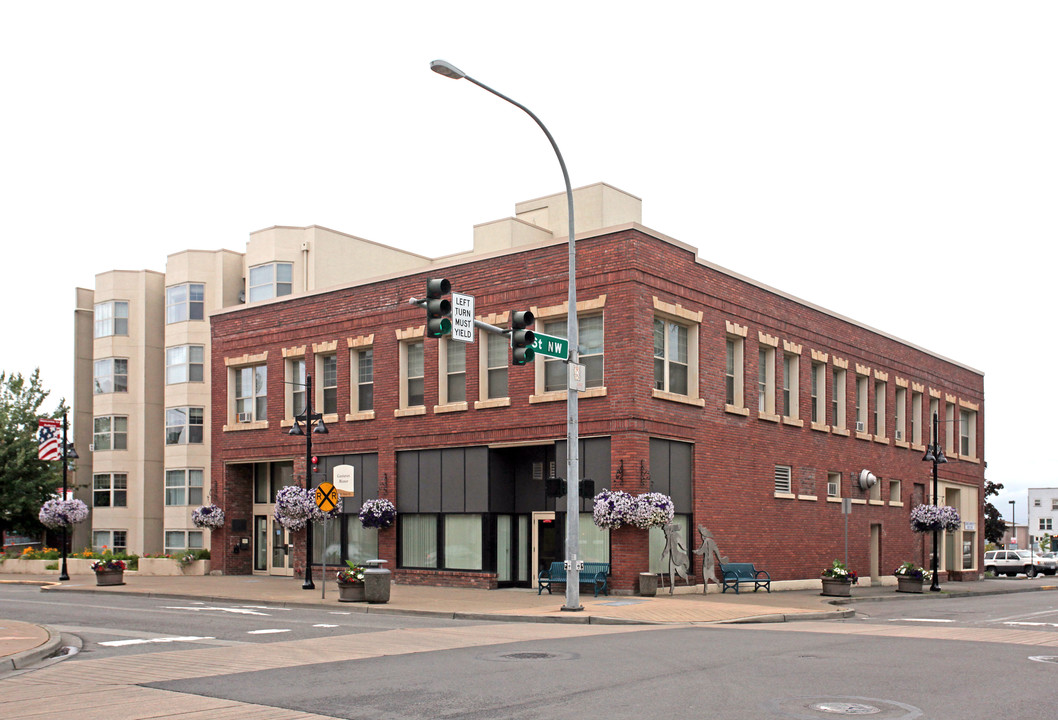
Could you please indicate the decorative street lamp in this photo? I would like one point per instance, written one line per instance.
(442, 67)
(1013, 527)
(935, 455)
(314, 425)
(68, 454)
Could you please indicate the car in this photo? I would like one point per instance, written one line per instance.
(1012, 562)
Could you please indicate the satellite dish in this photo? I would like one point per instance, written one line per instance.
(867, 480)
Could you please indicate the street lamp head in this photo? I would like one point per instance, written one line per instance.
(71, 454)
(443, 67)
(929, 456)
(320, 428)
(296, 430)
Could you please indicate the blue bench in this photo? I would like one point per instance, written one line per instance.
(594, 573)
(737, 574)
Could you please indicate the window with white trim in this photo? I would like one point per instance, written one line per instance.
(363, 373)
(496, 366)
(880, 387)
(766, 380)
(177, 542)
(116, 541)
(734, 371)
(900, 416)
(916, 417)
(861, 403)
(327, 390)
(297, 390)
(185, 302)
(590, 331)
(839, 402)
(110, 490)
(833, 484)
(453, 382)
(111, 318)
(271, 280)
(184, 425)
(183, 487)
(1045, 524)
(251, 393)
(791, 390)
(414, 389)
(184, 363)
(671, 357)
(968, 433)
(110, 432)
(110, 375)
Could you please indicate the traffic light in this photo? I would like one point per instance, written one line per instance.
(521, 339)
(438, 310)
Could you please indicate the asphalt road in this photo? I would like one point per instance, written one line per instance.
(918, 658)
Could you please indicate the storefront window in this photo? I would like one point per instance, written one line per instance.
(418, 535)
(463, 542)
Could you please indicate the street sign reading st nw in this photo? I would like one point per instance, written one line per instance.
(327, 498)
(551, 345)
(463, 317)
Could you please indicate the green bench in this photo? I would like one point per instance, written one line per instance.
(594, 573)
(737, 574)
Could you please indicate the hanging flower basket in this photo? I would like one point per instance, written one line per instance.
(57, 514)
(208, 516)
(377, 513)
(295, 507)
(652, 509)
(613, 508)
(930, 518)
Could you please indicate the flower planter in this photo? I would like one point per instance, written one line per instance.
(350, 592)
(171, 566)
(110, 577)
(909, 585)
(837, 588)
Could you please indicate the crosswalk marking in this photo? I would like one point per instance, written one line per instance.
(144, 641)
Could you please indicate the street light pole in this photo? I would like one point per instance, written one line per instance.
(442, 67)
(1013, 525)
(309, 418)
(68, 453)
(936, 455)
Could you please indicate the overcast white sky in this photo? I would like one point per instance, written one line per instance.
(894, 162)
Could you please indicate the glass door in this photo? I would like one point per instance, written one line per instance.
(281, 553)
(546, 548)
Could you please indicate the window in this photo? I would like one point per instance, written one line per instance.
(734, 372)
(184, 363)
(454, 381)
(670, 357)
(185, 302)
(916, 417)
(183, 487)
(590, 332)
(949, 428)
(1036, 502)
(110, 432)
(364, 372)
(879, 408)
(901, 414)
(833, 484)
(418, 535)
(297, 390)
(839, 403)
(463, 542)
(894, 491)
(934, 411)
(1054, 504)
(110, 490)
(271, 280)
(251, 393)
(413, 390)
(111, 375)
(656, 542)
(177, 542)
(183, 425)
(114, 540)
(967, 433)
(328, 387)
(783, 479)
(861, 403)
(496, 366)
(791, 391)
(766, 380)
(819, 393)
(112, 318)
(1045, 524)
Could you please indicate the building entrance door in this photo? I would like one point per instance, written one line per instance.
(546, 544)
(272, 553)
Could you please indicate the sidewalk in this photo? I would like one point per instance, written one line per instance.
(22, 644)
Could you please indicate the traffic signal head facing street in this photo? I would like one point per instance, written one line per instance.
(521, 338)
(438, 309)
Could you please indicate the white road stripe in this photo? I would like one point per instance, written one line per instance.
(270, 631)
(238, 611)
(144, 641)
(324, 625)
(919, 620)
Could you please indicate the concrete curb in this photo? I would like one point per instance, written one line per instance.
(28, 658)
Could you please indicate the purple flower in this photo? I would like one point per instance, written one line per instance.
(927, 518)
(208, 516)
(613, 508)
(377, 513)
(652, 509)
(57, 513)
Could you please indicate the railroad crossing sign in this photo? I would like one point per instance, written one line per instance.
(327, 498)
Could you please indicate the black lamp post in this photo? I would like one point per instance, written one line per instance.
(309, 418)
(68, 453)
(1013, 526)
(935, 455)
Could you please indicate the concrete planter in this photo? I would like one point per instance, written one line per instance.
(351, 592)
(837, 588)
(171, 566)
(110, 577)
(909, 585)
(28, 567)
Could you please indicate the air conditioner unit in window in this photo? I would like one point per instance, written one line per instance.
(899, 434)
(861, 427)
(245, 417)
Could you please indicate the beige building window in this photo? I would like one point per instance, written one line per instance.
(452, 365)
(495, 367)
(819, 393)
(861, 403)
(112, 318)
(894, 492)
(184, 363)
(916, 417)
(363, 374)
(183, 425)
(880, 387)
(110, 490)
(177, 542)
(839, 402)
(783, 479)
(183, 487)
(735, 372)
(110, 375)
(766, 380)
(296, 387)
(671, 357)
(271, 280)
(412, 389)
(327, 383)
(590, 330)
(900, 416)
(791, 385)
(185, 302)
(251, 393)
(968, 433)
(110, 432)
(114, 540)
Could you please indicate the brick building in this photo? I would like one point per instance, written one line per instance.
(753, 410)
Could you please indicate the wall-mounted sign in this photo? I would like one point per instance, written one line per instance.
(342, 476)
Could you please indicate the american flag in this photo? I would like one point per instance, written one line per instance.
(49, 432)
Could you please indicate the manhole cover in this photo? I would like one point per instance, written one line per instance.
(528, 656)
(845, 708)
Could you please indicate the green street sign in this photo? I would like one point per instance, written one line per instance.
(551, 346)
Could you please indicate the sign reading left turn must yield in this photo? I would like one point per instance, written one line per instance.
(327, 498)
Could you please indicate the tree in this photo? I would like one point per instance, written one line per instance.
(25, 481)
(995, 525)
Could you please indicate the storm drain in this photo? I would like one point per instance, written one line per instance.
(527, 656)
